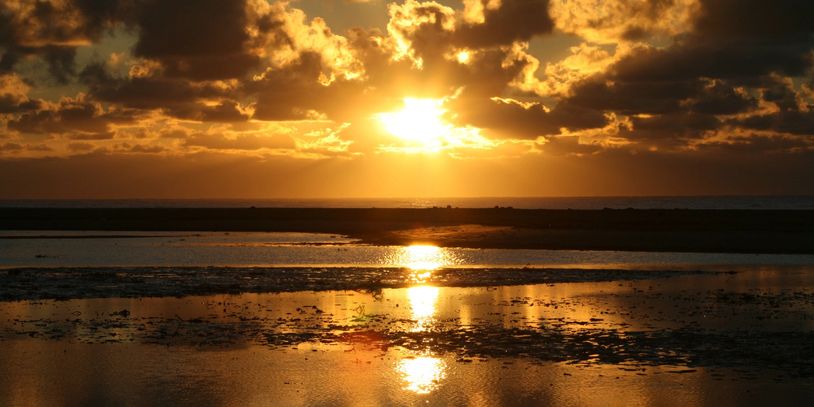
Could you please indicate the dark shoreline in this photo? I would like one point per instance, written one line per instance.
(678, 230)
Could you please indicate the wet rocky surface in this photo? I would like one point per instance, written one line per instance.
(631, 324)
(64, 283)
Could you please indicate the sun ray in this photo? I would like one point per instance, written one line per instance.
(419, 122)
(421, 126)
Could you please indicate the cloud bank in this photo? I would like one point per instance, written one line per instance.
(571, 87)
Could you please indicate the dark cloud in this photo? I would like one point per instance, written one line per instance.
(792, 115)
(88, 118)
(734, 52)
(291, 92)
(54, 29)
(779, 20)
(734, 39)
(793, 122)
(489, 72)
(513, 119)
(633, 96)
(197, 39)
(224, 111)
(738, 60)
(514, 20)
(149, 92)
(427, 27)
(672, 129)
(9, 104)
(175, 96)
(719, 99)
(60, 63)
(781, 94)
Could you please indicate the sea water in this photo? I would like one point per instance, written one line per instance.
(174, 249)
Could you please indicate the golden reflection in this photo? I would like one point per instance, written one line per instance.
(422, 260)
(423, 300)
(423, 257)
(422, 374)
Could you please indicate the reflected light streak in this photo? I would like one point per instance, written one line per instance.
(423, 257)
(423, 300)
(422, 374)
(422, 260)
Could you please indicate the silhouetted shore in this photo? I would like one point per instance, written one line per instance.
(741, 231)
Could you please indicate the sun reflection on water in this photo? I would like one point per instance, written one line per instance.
(422, 260)
(422, 374)
(423, 257)
(423, 302)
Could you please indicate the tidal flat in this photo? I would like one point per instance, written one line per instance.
(301, 319)
(740, 337)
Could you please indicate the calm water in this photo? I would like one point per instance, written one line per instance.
(93, 249)
(684, 202)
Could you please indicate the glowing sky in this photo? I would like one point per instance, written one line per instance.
(337, 98)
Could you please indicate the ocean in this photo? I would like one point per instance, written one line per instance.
(617, 202)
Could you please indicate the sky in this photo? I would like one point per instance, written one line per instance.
(374, 98)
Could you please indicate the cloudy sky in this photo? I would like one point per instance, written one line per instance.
(377, 98)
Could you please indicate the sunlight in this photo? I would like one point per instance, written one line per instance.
(422, 260)
(422, 374)
(423, 303)
(423, 300)
(419, 122)
(421, 126)
(462, 57)
(423, 257)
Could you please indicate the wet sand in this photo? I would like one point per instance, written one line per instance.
(730, 231)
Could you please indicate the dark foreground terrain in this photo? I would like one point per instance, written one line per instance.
(738, 231)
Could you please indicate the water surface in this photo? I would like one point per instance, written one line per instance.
(666, 329)
(98, 249)
(633, 343)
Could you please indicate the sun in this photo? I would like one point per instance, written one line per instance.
(419, 123)
(421, 126)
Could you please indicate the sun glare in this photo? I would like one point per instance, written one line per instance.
(421, 127)
(422, 374)
(423, 257)
(423, 302)
(419, 122)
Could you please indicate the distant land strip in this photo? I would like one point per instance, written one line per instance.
(678, 230)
